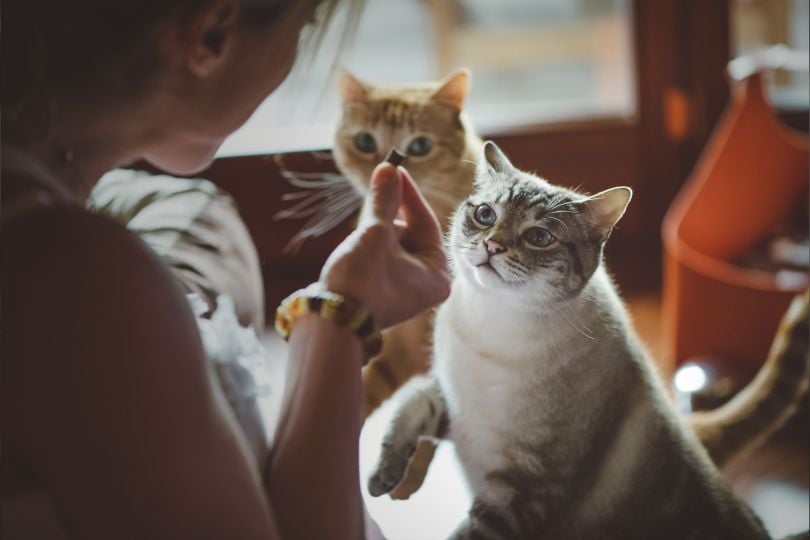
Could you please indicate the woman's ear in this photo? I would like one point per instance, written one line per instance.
(209, 36)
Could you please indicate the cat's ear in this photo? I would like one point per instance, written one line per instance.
(496, 159)
(606, 208)
(352, 89)
(493, 165)
(453, 89)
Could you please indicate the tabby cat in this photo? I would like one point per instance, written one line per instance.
(427, 124)
(559, 419)
(769, 400)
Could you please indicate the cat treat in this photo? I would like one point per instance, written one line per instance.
(395, 158)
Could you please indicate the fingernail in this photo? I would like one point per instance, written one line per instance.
(385, 173)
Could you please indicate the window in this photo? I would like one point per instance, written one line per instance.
(533, 62)
(758, 26)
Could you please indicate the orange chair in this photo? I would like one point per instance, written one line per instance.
(751, 177)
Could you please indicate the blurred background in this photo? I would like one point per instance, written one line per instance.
(701, 107)
(534, 62)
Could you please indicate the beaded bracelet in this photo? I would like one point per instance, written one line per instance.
(335, 307)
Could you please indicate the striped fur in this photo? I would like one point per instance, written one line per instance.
(558, 417)
(769, 400)
(394, 116)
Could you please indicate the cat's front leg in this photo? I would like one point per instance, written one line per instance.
(422, 413)
(486, 522)
(405, 353)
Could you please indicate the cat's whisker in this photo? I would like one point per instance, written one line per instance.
(323, 156)
(566, 302)
(336, 203)
(574, 313)
(558, 202)
(304, 204)
(303, 208)
(440, 195)
(295, 196)
(518, 263)
(560, 208)
(329, 216)
(313, 180)
(558, 220)
(574, 326)
(329, 207)
(450, 244)
(328, 199)
(516, 270)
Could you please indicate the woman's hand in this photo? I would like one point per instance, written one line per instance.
(395, 268)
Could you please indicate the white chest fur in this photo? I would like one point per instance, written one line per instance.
(482, 372)
(473, 386)
(506, 371)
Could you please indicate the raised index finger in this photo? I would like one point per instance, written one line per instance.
(384, 196)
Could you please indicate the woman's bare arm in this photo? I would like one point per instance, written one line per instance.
(395, 270)
(106, 394)
(314, 477)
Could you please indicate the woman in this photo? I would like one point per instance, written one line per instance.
(110, 425)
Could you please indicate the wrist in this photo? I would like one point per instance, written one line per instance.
(311, 327)
(345, 288)
(333, 307)
(358, 293)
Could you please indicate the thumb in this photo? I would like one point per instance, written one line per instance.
(384, 196)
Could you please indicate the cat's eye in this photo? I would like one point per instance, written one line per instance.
(485, 215)
(420, 146)
(364, 141)
(539, 237)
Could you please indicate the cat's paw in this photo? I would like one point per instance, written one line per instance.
(390, 470)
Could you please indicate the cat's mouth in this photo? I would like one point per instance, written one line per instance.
(487, 274)
(488, 268)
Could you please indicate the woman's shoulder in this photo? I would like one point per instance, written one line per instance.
(86, 305)
(74, 265)
(29, 185)
(105, 394)
(50, 247)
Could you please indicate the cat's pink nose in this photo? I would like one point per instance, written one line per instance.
(493, 247)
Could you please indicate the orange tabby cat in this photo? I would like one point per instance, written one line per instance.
(426, 123)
